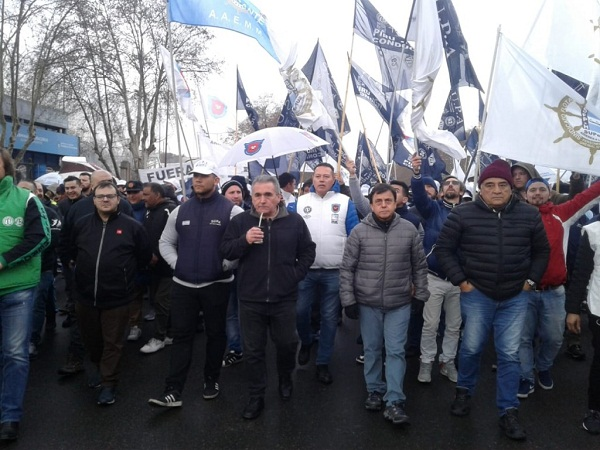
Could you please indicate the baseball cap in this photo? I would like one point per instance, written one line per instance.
(134, 186)
(205, 167)
(121, 182)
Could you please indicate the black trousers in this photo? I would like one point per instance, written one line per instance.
(279, 319)
(185, 309)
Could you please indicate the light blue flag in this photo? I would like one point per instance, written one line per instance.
(241, 16)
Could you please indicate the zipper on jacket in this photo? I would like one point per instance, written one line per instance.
(98, 261)
(501, 238)
(385, 236)
(268, 259)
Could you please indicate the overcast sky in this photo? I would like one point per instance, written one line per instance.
(332, 23)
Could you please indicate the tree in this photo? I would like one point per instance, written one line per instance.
(114, 80)
(268, 112)
(32, 34)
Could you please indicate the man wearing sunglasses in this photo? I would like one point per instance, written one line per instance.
(442, 292)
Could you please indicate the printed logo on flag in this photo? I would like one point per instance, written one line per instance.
(335, 208)
(252, 148)
(578, 124)
(216, 108)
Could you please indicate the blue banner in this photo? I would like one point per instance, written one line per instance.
(461, 70)
(452, 117)
(45, 141)
(243, 103)
(394, 53)
(239, 15)
(364, 162)
(317, 72)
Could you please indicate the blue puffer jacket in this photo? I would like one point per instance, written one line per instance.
(434, 213)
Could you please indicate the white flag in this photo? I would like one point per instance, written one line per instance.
(533, 116)
(183, 93)
(429, 55)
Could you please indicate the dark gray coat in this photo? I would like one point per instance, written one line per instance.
(380, 268)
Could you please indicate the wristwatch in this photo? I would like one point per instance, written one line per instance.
(531, 283)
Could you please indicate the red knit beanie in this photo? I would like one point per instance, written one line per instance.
(497, 169)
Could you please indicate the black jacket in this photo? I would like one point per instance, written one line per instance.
(154, 224)
(107, 256)
(496, 251)
(271, 271)
(79, 209)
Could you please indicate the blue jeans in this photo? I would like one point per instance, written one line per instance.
(44, 294)
(546, 316)
(234, 338)
(325, 284)
(390, 328)
(16, 311)
(481, 315)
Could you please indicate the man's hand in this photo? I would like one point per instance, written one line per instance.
(465, 286)
(351, 166)
(574, 323)
(416, 162)
(352, 311)
(255, 236)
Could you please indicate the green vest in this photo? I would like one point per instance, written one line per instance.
(24, 272)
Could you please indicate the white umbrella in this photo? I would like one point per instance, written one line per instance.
(50, 178)
(270, 143)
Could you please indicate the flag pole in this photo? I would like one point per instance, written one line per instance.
(346, 97)
(485, 110)
(371, 155)
(174, 92)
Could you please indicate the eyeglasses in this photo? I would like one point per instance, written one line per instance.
(452, 182)
(105, 197)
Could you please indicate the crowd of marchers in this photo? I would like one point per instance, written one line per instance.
(410, 262)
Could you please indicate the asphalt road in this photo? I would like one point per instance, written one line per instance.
(61, 413)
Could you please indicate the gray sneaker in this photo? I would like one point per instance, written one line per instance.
(448, 369)
(425, 372)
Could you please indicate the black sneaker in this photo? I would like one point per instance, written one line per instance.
(509, 423)
(323, 374)
(575, 352)
(211, 390)
(374, 401)
(72, 367)
(232, 358)
(460, 406)
(170, 399)
(591, 422)
(106, 396)
(395, 413)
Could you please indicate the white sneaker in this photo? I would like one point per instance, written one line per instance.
(168, 341)
(448, 369)
(152, 346)
(425, 372)
(134, 333)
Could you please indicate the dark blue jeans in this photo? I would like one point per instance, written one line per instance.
(185, 309)
(16, 310)
(482, 315)
(325, 284)
(44, 295)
